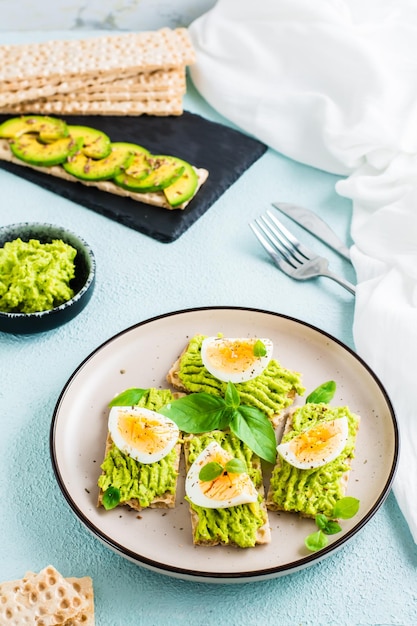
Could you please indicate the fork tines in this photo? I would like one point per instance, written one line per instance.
(274, 236)
(291, 256)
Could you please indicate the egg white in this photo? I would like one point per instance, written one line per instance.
(314, 458)
(193, 486)
(232, 359)
(155, 434)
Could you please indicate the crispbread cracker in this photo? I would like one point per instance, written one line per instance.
(44, 599)
(84, 587)
(170, 81)
(97, 56)
(263, 533)
(64, 106)
(151, 198)
(116, 94)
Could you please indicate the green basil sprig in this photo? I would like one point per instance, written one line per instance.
(322, 394)
(202, 412)
(345, 508)
(213, 470)
(130, 397)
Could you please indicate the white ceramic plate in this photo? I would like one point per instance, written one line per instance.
(161, 539)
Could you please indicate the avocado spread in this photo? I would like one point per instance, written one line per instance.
(141, 481)
(35, 276)
(271, 392)
(238, 524)
(316, 490)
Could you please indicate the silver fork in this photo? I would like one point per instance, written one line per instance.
(290, 255)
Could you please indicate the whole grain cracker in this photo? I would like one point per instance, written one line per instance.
(148, 50)
(84, 587)
(45, 599)
(167, 106)
(113, 94)
(172, 80)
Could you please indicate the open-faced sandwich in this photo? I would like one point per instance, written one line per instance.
(314, 459)
(207, 364)
(142, 454)
(224, 489)
(81, 154)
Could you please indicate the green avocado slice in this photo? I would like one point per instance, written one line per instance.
(138, 169)
(28, 148)
(49, 128)
(96, 144)
(154, 173)
(86, 168)
(184, 187)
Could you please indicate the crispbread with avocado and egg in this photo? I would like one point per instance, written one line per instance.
(142, 453)
(272, 390)
(226, 507)
(314, 459)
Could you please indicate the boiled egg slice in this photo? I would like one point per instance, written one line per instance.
(222, 492)
(144, 435)
(316, 446)
(236, 359)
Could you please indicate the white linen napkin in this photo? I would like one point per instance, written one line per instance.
(333, 84)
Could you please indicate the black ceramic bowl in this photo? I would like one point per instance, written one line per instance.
(82, 283)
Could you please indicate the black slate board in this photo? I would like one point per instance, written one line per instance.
(225, 152)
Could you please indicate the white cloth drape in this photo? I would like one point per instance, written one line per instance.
(333, 84)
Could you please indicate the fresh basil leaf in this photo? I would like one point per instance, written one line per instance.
(231, 397)
(130, 397)
(253, 427)
(210, 471)
(323, 394)
(259, 348)
(236, 466)
(321, 521)
(332, 528)
(345, 508)
(316, 541)
(198, 413)
(111, 498)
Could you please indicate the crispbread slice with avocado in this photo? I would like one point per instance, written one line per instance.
(153, 198)
(271, 392)
(315, 490)
(243, 525)
(141, 485)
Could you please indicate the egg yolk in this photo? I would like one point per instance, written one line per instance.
(227, 355)
(143, 433)
(226, 486)
(318, 439)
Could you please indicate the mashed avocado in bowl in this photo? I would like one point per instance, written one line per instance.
(47, 275)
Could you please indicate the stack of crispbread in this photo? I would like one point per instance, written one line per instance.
(125, 74)
(47, 599)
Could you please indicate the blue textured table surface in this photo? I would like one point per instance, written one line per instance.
(372, 580)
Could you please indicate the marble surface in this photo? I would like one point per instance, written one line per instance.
(99, 14)
(371, 581)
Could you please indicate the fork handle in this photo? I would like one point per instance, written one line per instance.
(338, 279)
